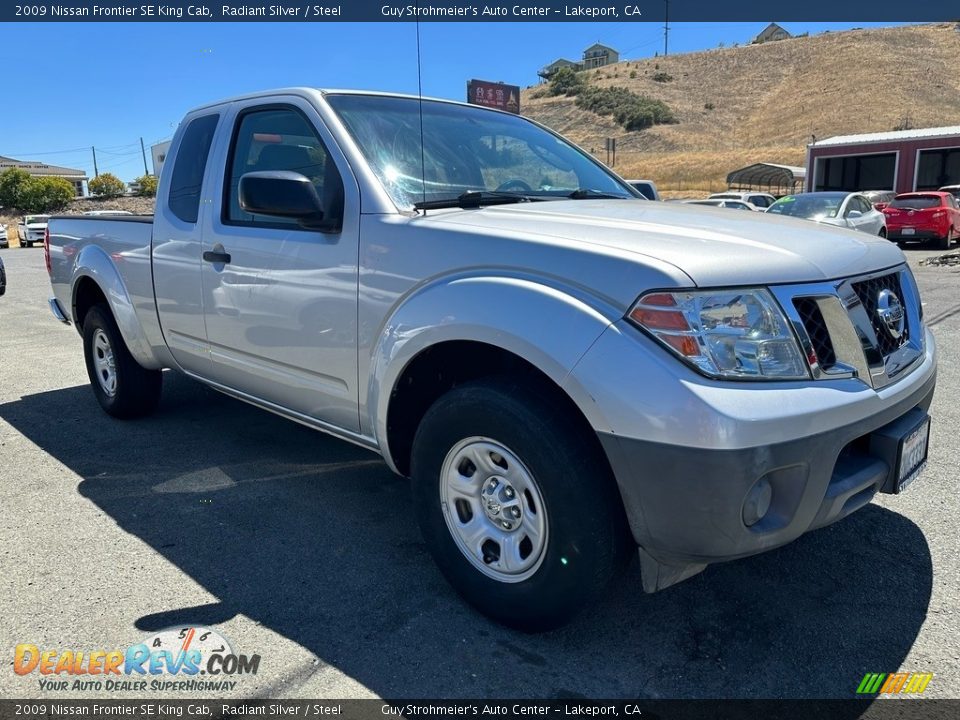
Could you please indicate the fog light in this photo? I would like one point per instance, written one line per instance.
(757, 503)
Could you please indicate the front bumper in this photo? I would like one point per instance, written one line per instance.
(685, 473)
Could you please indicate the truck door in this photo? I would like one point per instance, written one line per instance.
(280, 300)
(176, 244)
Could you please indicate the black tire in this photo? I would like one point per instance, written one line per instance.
(587, 536)
(26, 244)
(137, 390)
(944, 242)
(883, 233)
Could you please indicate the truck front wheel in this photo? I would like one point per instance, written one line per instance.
(516, 504)
(123, 388)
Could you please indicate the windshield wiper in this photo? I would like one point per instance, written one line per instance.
(475, 199)
(588, 194)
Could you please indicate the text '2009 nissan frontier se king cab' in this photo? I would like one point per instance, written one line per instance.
(564, 369)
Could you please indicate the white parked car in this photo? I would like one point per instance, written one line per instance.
(843, 209)
(761, 199)
(4, 241)
(734, 204)
(31, 229)
(647, 188)
(952, 189)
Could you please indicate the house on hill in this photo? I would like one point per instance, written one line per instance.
(77, 178)
(547, 71)
(771, 33)
(597, 55)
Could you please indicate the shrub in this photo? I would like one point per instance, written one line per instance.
(709, 106)
(662, 77)
(633, 74)
(566, 81)
(147, 185)
(13, 186)
(632, 111)
(33, 195)
(107, 185)
(45, 194)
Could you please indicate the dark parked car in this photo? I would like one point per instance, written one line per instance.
(3, 278)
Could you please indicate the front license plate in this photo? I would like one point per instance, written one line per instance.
(913, 455)
(908, 231)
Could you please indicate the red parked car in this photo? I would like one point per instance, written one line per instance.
(924, 216)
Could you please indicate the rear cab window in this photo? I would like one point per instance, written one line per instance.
(183, 198)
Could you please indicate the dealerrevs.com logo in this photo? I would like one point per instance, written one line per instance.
(192, 659)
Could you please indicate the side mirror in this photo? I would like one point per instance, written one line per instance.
(285, 194)
(854, 214)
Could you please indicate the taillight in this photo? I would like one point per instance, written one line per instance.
(46, 248)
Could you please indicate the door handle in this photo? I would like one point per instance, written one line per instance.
(213, 256)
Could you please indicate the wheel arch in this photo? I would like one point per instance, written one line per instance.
(96, 280)
(478, 325)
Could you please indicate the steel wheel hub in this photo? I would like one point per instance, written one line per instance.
(493, 509)
(104, 363)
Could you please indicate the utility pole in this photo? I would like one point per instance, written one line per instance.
(666, 28)
(144, 153)
(96, 173)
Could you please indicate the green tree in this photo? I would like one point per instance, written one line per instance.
(46, 194)
(147, 185)
(107, 185)
(19, 191)
(13, 186)
(566, 81)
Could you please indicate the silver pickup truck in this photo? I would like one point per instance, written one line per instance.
(565, 370)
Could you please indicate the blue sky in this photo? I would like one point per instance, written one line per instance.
(108, 84)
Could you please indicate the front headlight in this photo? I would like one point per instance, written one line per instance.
(737, 334)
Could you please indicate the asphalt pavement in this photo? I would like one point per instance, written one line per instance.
(304, 550)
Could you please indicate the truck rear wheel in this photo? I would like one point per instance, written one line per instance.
(123, 388)
(517, 506)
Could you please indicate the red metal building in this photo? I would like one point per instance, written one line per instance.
(903, 161)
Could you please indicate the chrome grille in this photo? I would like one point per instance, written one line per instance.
(868, 291)
(843, 334)
(816, 328)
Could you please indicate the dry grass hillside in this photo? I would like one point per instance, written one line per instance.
(768, 100)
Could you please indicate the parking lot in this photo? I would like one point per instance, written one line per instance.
(303, 549)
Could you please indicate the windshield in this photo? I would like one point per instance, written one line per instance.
(916, 202)
(808, 206)
(32, 219)
(466, 150)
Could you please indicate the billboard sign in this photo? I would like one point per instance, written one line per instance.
(494, 95)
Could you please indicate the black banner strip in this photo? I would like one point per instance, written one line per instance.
(655, 11)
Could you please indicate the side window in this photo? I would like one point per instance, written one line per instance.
(191, 161)
(279, 139)
(864, 205)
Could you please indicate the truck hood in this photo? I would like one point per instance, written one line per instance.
(713, 246)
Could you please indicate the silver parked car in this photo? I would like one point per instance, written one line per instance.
(842, 209)
(647, 188)
(4, 240)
